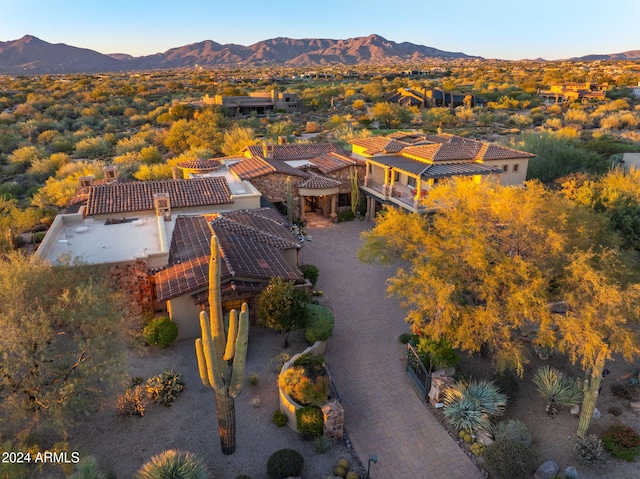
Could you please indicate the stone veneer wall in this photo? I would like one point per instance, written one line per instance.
(133, 281)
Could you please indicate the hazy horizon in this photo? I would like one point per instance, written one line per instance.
(499, 29)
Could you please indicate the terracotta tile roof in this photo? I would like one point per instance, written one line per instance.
(210, 164)
(332, 162)
(494, 152)
(296, 151)
(372, 145)
(250, 168)
(251, 242)
(318, 182)
(138, 195)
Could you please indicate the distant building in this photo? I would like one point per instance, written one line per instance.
(430, 98)
(568, 92)
(259, 102)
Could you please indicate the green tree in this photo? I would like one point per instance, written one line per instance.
(62, 344)
(487, 263)
(281, 306)
(236, 139)
(391, 115)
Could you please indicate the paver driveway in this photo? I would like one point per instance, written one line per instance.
(384, 415)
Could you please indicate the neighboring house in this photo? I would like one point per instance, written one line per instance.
(567, 92)
(255, 246)
(259, 102)
(631, 160)
(402, 167)
(129, 225)
(430, 98)
(318, 174)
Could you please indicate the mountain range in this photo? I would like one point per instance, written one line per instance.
(31, 56)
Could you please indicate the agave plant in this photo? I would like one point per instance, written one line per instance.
(473, 405)
(173, 464)
(556, 388)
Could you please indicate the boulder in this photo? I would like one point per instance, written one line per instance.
(575, 410)
(484, 438)
(547, 470)
(570, 473)
(596, 414)
(635, 407)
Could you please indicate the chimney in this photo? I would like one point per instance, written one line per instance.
(110, 173)
(282, 140)
(86, 182)
(162, 203)
(267, 150)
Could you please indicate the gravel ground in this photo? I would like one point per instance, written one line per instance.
(123, 445)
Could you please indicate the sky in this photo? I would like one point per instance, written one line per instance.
(506, 29)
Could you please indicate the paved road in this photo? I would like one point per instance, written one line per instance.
(384, 415)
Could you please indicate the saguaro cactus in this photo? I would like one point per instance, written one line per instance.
(222, 357)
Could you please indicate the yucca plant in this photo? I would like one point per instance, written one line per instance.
(173, 464)
(558, 389)
(473, 405)
(87, 468)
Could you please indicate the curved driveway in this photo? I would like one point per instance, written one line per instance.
(383, 414)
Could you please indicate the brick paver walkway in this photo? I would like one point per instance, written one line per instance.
(384, 415)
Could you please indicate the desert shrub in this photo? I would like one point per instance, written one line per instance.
(131, 403)
(346, 215)
(321, 444)
(320, 323)
(285, 463)
(253, 379)
(473, 405)
(280, 419)
(306, 381)
(164, 388)
(287, 381)
(173, 464)
(437, 353)
(556, 388)
(589, 451)
(509, 460)
(404, 338)
(309, 421)
(310, 363)
(160, 332)
(622, 442)
(278, 361)
(512, 430)
(310, 272)
(311, 392)
(508, 383)
(87, 468)
(622, 390)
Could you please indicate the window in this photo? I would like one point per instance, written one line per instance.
(515, 167)
(396, 176)
(233, 304)
(411, 181)
(344, 199)
(505, 168)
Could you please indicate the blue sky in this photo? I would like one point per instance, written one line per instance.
(508, 29)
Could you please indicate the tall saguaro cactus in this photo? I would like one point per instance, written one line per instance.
(222, 357)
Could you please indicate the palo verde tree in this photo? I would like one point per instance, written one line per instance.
(62, 343)
(486, 264)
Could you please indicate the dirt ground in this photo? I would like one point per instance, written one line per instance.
(553, 436)
(123, 445)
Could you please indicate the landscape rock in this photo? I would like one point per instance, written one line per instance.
(635, 407)
(596, 414)
(438, 385)
(570, 473)
(484, 438)
(575, 410)
(547, 470)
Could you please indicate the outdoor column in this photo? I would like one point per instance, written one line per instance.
(334, 205)
(301, 207)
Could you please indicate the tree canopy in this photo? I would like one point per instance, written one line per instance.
(62, 343)
(281, 306)
(483, 269)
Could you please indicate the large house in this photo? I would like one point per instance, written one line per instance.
(317, 174)
(255, 246)
(258, 102)
(567, 92)
(432, 97)
(401, 168)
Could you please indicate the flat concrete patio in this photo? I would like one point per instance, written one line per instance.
(384, 415)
